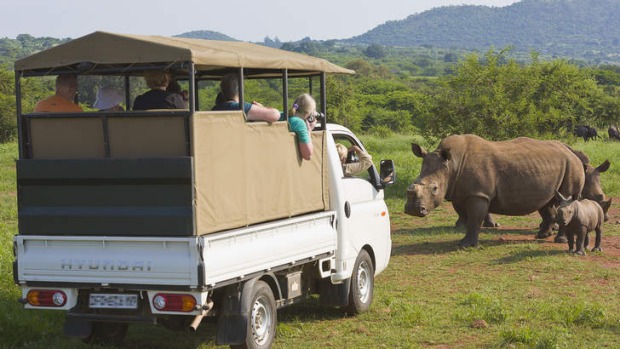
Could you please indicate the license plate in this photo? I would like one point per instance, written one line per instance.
(113, 301)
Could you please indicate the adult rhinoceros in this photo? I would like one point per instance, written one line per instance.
(513, 178)
(592, 190)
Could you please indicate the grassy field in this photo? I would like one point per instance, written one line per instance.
(512, 292)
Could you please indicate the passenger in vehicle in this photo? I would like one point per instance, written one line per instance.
(303, 108)
(157, 97)
(229, 86)
(353, 168)
(109, 99)
(174, 87)
(62, 100)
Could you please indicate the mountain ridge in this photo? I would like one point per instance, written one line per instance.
(577, 28)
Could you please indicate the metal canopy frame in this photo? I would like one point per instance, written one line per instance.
(180, 70)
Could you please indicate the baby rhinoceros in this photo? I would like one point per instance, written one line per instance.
(580, 217)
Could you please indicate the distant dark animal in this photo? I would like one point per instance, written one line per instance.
(580, 217)
(613, 133)
(587, 132)
(514, 178)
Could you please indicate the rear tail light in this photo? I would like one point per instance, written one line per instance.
(174, 302)
(46, 298)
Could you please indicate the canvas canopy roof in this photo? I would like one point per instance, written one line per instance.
(123, 49)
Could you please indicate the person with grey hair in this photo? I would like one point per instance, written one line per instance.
(62, 99)
(229, 87)
(157, 97)
(353, 168)
(109, 99)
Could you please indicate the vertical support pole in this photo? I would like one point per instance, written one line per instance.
(192, 108)
(106, 136)
(127, 94)
(285, 93)
(324, 100)
(241, 90)
(18, 108)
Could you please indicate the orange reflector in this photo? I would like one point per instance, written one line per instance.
(174, 302)
(383, 214)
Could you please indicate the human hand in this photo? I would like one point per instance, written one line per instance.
(311, 125)
(355, 148)
(256, 103)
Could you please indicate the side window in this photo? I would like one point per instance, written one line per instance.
(351, 155)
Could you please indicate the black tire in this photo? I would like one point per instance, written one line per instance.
(263, 317)
(362, 284)
(107, 333)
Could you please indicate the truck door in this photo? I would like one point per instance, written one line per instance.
(365, 211)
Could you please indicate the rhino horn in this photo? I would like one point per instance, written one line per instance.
(559, 195)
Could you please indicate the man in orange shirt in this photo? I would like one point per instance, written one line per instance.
(62, 100)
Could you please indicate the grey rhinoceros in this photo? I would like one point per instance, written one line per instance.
(579, 217)
(592, 190)
(479, 177)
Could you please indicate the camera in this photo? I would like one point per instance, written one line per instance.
(315, 116)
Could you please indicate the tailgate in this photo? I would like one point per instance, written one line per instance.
(107, 261)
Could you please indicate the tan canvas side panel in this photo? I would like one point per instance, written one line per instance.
(145, 137)
(67, 138)
(246, 173)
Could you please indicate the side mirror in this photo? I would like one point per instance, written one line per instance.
(387, 174)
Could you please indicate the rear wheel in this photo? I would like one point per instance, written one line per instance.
(362, 284)
(107, 333)
(263, 318)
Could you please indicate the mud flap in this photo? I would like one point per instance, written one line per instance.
(334, 295)
(75, 327)
(232, 322)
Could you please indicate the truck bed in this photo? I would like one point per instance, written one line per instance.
(173, 262)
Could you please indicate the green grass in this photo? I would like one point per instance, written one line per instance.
(512, 292)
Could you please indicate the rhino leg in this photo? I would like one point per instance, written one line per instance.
(597, 241)
(489, 222)
(548, 220)
(571, 241)
(477, 209)
(460, 222)
(581, 236)
(561, 236)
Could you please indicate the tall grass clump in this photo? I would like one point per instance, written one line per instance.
(529, 338)
(482, 307)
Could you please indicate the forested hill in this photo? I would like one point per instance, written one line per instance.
(572, 28)
(206, 34)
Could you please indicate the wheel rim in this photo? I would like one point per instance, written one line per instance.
(363, 282)
(261, 320)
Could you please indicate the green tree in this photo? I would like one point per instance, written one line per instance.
(375, 51)
(8, 128)
(500, 100)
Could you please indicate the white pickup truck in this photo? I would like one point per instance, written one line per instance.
(168, 216)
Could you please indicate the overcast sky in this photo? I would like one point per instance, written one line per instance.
(247, 20)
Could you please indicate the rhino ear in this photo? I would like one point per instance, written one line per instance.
(604, 166)
(445, 154)
(417, 150)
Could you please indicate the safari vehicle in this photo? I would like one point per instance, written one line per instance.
(170, 216)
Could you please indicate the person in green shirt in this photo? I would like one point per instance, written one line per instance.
(303, 107)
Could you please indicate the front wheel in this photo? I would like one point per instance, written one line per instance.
(261, 329)
(362, 284)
